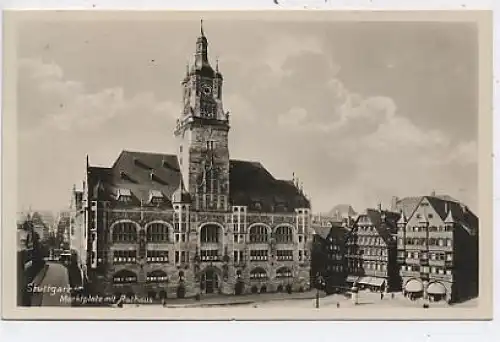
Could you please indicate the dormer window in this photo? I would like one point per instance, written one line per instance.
(155, 197)
(124, 195)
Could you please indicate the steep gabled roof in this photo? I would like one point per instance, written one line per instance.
(460, 213)
(141, 172)
(408, 205)
(384, 221)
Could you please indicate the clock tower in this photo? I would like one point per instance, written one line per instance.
(202, 134)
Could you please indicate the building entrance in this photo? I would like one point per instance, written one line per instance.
(210, 281)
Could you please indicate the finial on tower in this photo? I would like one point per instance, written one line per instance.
(217, 64)
(187, 68)
(201, 28)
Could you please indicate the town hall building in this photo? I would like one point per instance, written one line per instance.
(193, 222)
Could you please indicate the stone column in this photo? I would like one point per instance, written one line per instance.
(425, 284)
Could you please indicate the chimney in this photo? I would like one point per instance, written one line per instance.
(446, 207)
(380, 207)
(433, 193)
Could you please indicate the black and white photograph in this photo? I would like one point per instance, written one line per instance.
(206, 164)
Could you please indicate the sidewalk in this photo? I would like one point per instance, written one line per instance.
(225, 300)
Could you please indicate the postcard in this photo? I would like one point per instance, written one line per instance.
(188, 165)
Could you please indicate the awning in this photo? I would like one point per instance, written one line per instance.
(375, 281)
(352, 279)
(365, 280)
(436, 289)
(414, 286)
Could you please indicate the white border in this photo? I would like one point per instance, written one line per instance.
(246, 331)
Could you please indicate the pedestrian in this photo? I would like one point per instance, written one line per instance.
(392, 295)
(338, 305)
(381, 295)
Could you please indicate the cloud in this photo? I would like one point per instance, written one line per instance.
(368, 152)
(60, 121)
(68, 105)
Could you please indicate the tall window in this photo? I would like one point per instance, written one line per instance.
(283, 235)
(210, 233)
(157, 232)
(124, 232)
(259, 234)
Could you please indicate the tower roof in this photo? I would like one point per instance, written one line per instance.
(449, 218)
(181, 195)
(402, 218)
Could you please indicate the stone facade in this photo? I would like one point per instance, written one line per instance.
(437, 249)
(195, 222)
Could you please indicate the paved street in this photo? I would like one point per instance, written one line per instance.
(56, 278)
(306, 301)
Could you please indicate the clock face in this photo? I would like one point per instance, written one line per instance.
(207, 90)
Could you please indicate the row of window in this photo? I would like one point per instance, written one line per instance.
(446, 228)
(157, 256)
(374, 251)
(335, 256)
(426, 242)
(427, 269)
(375, 266)
(333, 247)
(209, 255)
(122, 257)
(335, 268)
(424, 255)
(371, 241)
(125, 279)
(282, 255)
(125, 257)
(259, 255)
(156, 279)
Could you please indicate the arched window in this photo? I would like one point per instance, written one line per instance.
(283, 235)
(125, 232)
(210, 233)
(258, 273)
(124, 277)
(156, 277)
(283, 272)
(157, 232)
(259, 234)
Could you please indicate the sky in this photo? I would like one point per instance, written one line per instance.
(360, 112)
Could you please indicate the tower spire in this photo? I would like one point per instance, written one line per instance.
(201, 28)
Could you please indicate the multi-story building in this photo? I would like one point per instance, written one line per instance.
(437, 248)
(78, 230)
(41, 222)
(371, 251)
(195, 222)
(328, 253)
(63, 229)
